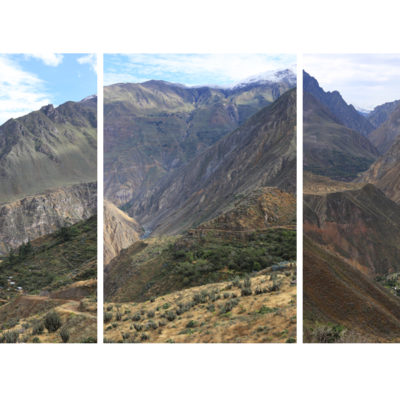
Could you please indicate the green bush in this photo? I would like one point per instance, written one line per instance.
(107, 317)
(64, 333)
(52, 321)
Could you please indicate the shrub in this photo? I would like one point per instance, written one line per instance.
(247, 283)
(328, 333)
(151, 325)
(229, 305)
(151, 314)
(246, 292)
(138, 327)
(258, 291)
(170, 315)
(38, 328)
(35, 340)
(52, 321)
(107, 317)
(11, 337)
(64, 333)
(136, 317)
(144, 336)
(89, 339)
(191, 324)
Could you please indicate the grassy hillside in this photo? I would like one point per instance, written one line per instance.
(257, 309)
(341, 304)
(48, 288)
(52, 261)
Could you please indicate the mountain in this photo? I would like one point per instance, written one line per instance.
(381, 113)
(261, 152)
(155, 127)
(361, 226)
(330, 148)
(344, 113)
(385, 172)
(385, 135)
(120, 231)
(48, 149)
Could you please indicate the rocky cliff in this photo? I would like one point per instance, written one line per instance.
(38, 215)
(120, 231)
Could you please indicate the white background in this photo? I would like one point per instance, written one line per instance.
(199, 371)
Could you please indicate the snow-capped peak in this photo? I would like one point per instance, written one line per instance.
(93, 96)
(281, 75)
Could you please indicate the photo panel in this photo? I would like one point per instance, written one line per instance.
(351, 136)
(200, 198)
(48, 198)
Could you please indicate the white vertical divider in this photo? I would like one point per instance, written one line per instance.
(100, 192)
(299, 318)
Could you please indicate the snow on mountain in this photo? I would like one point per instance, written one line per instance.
(270, 76)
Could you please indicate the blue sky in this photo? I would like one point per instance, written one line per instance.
(29, 81)
(364, 80)
(191, 69)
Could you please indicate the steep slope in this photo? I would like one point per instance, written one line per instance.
(53, 274)
(344, 113)
(120, 231)
(385, 172)
(381, 113)
(262, 152)
(362, 226)
(335, 293)
(38, 215)
(155, 127)
(52, 261)
(47, 149)
(385, 135)
(330, 148)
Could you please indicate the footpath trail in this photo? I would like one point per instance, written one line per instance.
(287, 227)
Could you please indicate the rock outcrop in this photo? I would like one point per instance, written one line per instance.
(38, 215)
(120, 231)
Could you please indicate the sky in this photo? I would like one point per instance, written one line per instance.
(191, 69)
(30, 81)
(363, 80)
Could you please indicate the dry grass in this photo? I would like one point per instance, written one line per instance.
(209, 314)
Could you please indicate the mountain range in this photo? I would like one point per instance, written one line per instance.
(206, 177)
(154, 127)
(351, 220)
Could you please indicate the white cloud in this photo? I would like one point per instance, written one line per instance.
(90, 59)
(20, 91)
(196, 67)
(364, 80)
(49, 59)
